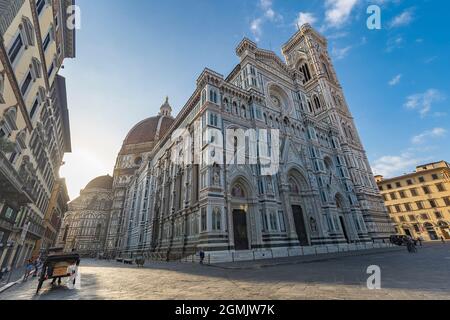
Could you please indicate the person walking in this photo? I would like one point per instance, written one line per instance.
(442, 239)
(410, 245)
(28, 269)
(36, 264)
(202, 257)
(420, 240)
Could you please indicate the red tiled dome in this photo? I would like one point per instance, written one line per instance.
(148, 130)
(103, 182)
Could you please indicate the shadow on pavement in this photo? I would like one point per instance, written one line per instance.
(61, 292)
(427, 271)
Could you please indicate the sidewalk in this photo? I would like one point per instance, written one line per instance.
(247, 265)
(16, 277)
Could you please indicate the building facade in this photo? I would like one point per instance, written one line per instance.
(323, 192)
(84, 227)
(136, 149)
(34, 120)
(53, 217)
(419, 202)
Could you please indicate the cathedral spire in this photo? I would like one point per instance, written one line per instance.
(166, 109)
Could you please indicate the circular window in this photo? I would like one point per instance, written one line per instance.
(276, 101)
(138, 161)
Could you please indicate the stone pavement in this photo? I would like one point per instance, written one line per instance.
(9, 280)
(424, 275)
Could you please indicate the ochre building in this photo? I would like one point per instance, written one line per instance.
(419, 202)
(34, 124)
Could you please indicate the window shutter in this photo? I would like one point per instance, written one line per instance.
(35, 67)
(27, 30)
(42, 95)
(52, 32)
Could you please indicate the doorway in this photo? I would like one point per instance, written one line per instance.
(344, 230)
(431, 231)
(408, 233)
(240, 230)
(300, 226)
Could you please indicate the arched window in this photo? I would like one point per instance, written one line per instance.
(27, 30)
(36, 68)
(273, 221)
(304, 69)
(227, 104)
(243, 112)
(293, 186)
(325, 70)
(235, 108)
(217, 219)
(9, 125)
(317, 103)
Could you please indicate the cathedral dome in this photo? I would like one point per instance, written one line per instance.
(151, 129)
(103, 182)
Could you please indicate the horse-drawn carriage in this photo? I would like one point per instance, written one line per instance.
(57, 266)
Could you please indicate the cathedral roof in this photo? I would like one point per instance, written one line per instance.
(151, 129)
(103, 182)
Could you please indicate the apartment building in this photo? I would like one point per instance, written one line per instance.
(419, 202)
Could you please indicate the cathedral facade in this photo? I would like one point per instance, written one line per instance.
(84, 227)
(322, 192)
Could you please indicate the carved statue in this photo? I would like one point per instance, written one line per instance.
(313, 224)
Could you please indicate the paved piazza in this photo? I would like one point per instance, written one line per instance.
(424, 275)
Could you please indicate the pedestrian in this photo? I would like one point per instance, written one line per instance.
(28, 269)
(36, 268)
(410, 245)
(202, 256)
(442, 239)
(420, 240)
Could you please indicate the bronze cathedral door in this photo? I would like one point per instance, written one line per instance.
(300, 226)
(240, 230)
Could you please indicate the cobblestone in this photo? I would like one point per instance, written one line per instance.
(424, 275)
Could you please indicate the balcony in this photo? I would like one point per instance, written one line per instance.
(12, 189)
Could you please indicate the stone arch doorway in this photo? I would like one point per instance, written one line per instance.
(240, 214)
(340, 206)
(297, 188)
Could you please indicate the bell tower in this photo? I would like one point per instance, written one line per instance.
(306, 54)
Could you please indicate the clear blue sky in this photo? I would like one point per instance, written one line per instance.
(131, 54)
